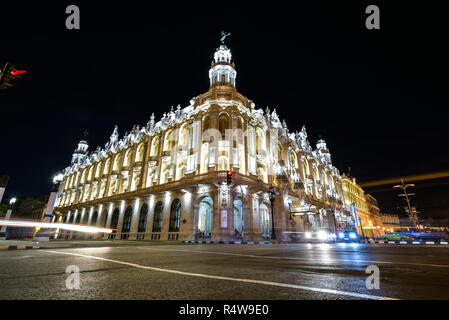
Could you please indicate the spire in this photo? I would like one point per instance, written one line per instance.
(222, 70)
(114, 135)
(81, 151)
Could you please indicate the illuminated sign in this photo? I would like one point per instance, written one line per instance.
(354, 214)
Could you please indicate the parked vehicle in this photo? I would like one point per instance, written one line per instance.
(398, 236)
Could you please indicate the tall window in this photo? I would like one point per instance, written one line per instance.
(106, 166)
(114, 219)
(223, 123)
(91, 171)
(143, 218)
(168, 141)
(98, 170)
(139, 153)
(157, 220)
(184, 135)
(116, 162)
(175, 216)
(127, 219)
(154, 147)
(93, 220)
(127, 160)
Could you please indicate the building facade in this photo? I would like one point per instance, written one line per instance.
(391, 222)
(168, 180)
(364, 209)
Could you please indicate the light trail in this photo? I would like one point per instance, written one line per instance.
(418, 177)
(48, 225)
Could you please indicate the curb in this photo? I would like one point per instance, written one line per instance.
(410, 242)
(227, 242)
(268, 242)
(14, 247)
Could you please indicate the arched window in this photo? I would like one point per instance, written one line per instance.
(106, 166)
(114, 219)
(143, 218)
(184, 135)
(127, 219)
(223, 123)
(260, 141)
(139, 153)
(175, 216)
(204, 220)
(97, 170)
(91, 172)
(294, 162)
(206, 123)
(168, 141)
(83, 176)
(78, 218)
(93, 220)
(157, 219)
(127, 160)
(306, 167)
(116, 162)
(280, 153)
(154, 147)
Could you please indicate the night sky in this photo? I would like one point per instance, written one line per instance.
(378, 97)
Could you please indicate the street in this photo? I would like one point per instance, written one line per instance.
(145, 270)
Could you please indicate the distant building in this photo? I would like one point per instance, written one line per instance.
(364, 208)
(375, 216)
(391, 222)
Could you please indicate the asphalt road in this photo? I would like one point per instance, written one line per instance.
(144, 270)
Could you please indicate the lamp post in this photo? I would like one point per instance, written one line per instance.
(272, 198)
(411, 211)
(361, 228)
(12, 201)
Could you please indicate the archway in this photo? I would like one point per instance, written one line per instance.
(175, 216)
(265, 221)
(238, 218)
(143, 218)
(93, 220)
(157, 219)
(114, 220)
(127, 219)
(205, 215)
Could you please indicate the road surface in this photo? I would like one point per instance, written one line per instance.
(146, 270)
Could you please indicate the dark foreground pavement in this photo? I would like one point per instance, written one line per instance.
(143, 270)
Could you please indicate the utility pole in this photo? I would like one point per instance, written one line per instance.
(411, 211)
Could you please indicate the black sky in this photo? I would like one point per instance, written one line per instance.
(377, 97)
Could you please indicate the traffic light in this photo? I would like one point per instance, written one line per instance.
(8, 73)
(229, 177)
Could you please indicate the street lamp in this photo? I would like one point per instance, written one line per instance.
(411, 211)
(361, 228)
(12, 201)
(272, 197)
(58, 178)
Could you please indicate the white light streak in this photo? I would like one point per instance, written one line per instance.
(47, 225)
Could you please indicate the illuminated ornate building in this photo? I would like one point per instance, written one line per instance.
(168, 179)
(364, 208)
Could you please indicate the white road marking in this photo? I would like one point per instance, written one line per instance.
(326, 260)
(270, 283)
